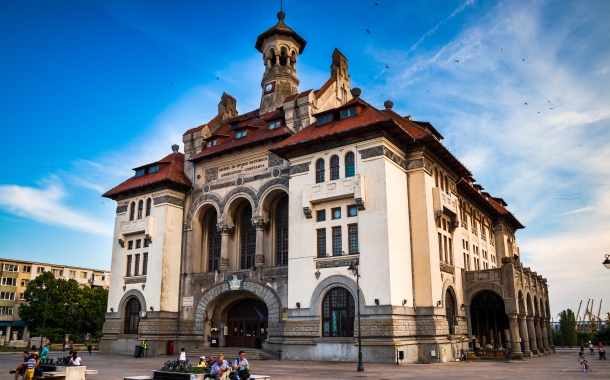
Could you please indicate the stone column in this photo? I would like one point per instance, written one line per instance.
(538, 335)
(224, 246)
(531, 332)
(25, 333)
(259, 254)
(524, 336)
(545, 336)
(550, 332)
(8, 336)
(514, 336)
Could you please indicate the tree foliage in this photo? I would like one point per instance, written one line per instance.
(567, 323)
(80, 310)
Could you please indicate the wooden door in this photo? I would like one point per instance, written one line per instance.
(245, 324)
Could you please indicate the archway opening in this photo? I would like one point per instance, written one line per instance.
(247, 323)
(450, 311)
(132, 316)
(338, 311)
(489, 321)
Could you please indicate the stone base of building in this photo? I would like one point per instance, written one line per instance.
(157, 346)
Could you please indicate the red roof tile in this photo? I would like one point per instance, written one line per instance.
(171, 170)
(258, 131)
(210, 123)
(325, 87)
(296, 96)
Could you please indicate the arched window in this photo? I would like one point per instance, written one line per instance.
(148, 206)
(248, 239)
(132, 211)
(320, 171)
(132, 316)
(281, 232)
(338, 312)
(140, 209)
(283, 56)
(450, 310)
(436, 176)
(350, 169)
(214, 239)
(334, 168)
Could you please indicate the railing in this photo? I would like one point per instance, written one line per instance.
(464, 224)
(444, 201)
(139, 225)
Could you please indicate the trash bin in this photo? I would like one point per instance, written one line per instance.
(214, 342)
(170, 347)
(258, 343)
(137, 352)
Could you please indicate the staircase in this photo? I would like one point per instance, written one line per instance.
(231, 353)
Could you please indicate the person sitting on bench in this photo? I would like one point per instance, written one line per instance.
(75, 360)
(241, 367)
(20, 370)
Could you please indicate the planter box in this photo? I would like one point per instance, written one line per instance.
(162, 375)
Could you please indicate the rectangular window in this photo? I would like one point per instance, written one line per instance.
(128, 272)
(139, 243)
(25, 282)
(10, 268)
(57, 272)
(275, 124)
(27, 268)
(348, 113)
(241, 133)
(40, 270)
(21, 296)
(6, 310)
(440, 247)
(353, 238)
(337, 242)
(72, 274)
(153, 169)
(465, 262)
(320, 215)
(450, 252)
(325, 119)
(130, 244)
(145, 264)
(146, 243)
(335, 213)
(83, 274)
(136, 270)
(446, 249)
(8, 281)
(322, 242)
(139, 172)
(352, 211)
(7, 296)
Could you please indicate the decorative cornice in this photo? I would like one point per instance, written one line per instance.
(275, 272)
(300, 168)
(338, 145)
(209, 277)
(447, 268)
(274, 160)
(381, 150)
(135, 280)
(344, 262)
(169, 199)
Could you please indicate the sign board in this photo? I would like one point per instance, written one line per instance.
(187, 301)
(242, 167)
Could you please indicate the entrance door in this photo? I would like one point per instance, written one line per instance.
(244, 323)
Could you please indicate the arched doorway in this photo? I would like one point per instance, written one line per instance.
(450, 312)
(338, 311)
(132, 316)
(245, 324)
(489, 320)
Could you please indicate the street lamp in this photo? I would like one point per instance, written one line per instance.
(607, 262)
(353, 269)
(44, 319)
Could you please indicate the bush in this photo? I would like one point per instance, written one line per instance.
(584, 337)
(558, 338)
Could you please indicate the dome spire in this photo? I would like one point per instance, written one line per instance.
(281, 15)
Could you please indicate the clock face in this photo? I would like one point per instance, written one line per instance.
(269, 87)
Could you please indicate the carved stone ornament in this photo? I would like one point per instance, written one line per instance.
(307, 212)
(437, 215)
(260, 223)
(447, 268)
(225, 230)
(337, 263)
(359, 204)
(236, 282)
(135, 280)
(300, 168)
(121, 209)
(274, 160)
(275, 272)
(211, 174)
(168, 199)
(224, 263)
(318, 273)
(259, 259)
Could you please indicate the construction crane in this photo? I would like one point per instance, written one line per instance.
(578, 313)
(581, 324)
(599, 312)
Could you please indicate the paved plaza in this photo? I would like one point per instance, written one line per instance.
(563, 365)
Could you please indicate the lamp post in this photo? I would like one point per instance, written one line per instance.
(353, 269)
(44, 319)
(607, 262)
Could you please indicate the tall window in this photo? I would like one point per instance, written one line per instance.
(338, 313)
(320, 171)
(322, 242)
(214, 240)
(353, 238)
(145, 264)
(337, 243)
(136, 270)
(140, 209)
(128, 271)
(350, 169)
(148, 206)
(248, 239)
(132, 211)
(334, 168)
(132, 316)
(450, 311)
(281, 232)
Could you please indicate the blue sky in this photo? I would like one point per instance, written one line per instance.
(93, 89)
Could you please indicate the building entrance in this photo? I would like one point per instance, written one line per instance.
(246, 325)
(489, 320)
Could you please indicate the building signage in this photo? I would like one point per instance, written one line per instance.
(187, 301)
(242, 167)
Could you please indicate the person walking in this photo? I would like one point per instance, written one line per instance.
(241, 367)
(591, 348)
(601, 350)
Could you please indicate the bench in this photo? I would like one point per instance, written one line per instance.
(70, 373)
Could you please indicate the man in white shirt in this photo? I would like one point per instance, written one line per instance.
(241, 367)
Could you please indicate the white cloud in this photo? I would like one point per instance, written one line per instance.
(584, 209)
(46, 205)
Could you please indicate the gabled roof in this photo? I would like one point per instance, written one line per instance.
(280, 29)
(171, 173)
(210, 123)
(297, 96)
(325, 87)
(258, 132)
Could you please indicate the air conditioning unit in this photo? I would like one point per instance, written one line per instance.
(142, 314)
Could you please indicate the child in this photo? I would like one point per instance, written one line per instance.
(601, 350)
(33, 362)
(75, 360)
(584, 364)
(182, 357)
(202, 362)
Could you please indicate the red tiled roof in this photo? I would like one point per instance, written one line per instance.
(210, 123)
(297, 96)
(325, 87)
(171, 170)
(258, 131)
(489, 203)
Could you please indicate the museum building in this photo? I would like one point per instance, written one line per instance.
(250, 238)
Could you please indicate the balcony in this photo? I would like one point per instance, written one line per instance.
(352, 187)
(144, 225)
(447, 203)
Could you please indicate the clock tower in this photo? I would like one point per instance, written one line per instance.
(280, 47)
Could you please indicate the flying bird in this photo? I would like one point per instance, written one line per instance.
(376, 4)
(217, 78)
(171, 83)
(368, 31)
(525, 104)
(551, 109)
(457, 61)
(538, 111)
(387, 67)
(548, 101)
(523, 59)
(501, 49)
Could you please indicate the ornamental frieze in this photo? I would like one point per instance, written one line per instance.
(135, 280)
(112, 327)
(336, 263)
(168, 199)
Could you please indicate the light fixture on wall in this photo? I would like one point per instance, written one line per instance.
(377, 301)
(122, 243)
(298, 305)
(462, 306)
(111, 310)
(607, 262)
(439, 303)
(404, 302)
(198, 176)
(152, 308)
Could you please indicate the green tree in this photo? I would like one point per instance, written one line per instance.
(567, 323)
(94, 310)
